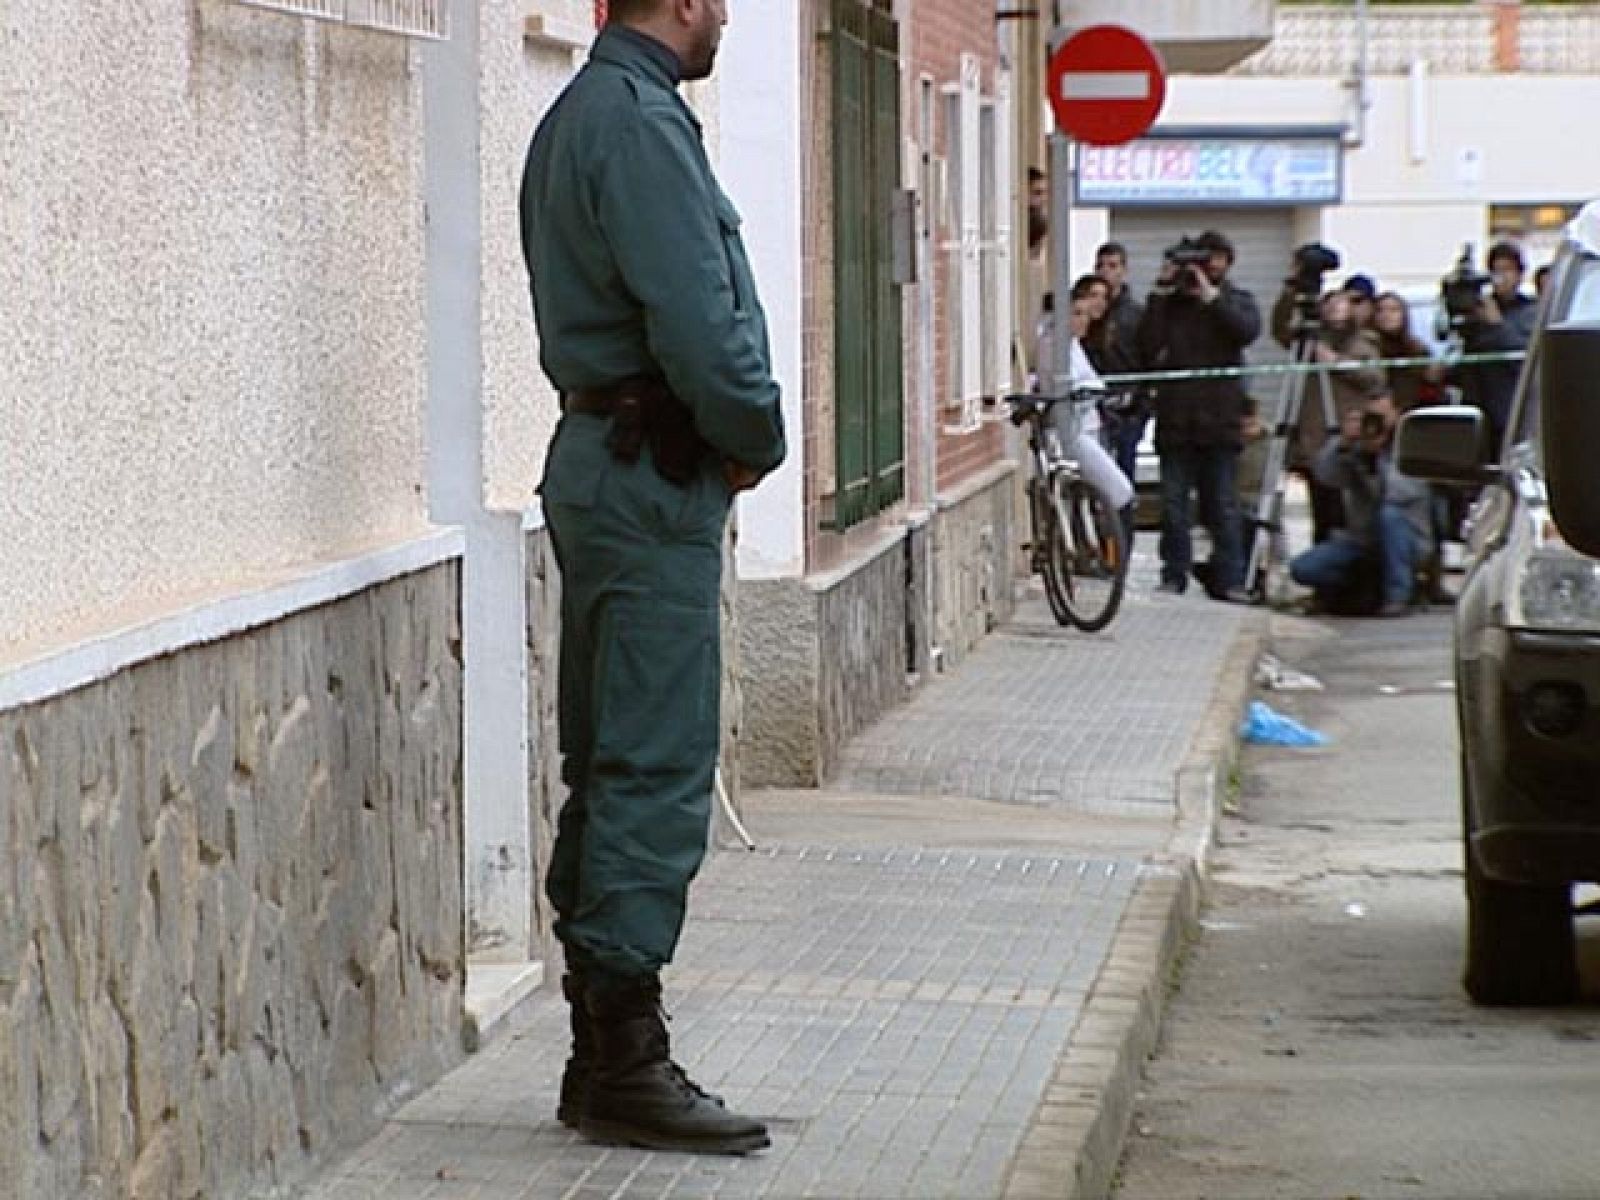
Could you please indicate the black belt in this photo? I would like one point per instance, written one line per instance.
(592, 403)
(644, 411)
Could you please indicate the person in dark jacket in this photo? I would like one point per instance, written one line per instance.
(1196, 317)
(1503, 321)
(1119, 347)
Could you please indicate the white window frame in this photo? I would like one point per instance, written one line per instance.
(1002, 325)
(963, 247)
(976, 221)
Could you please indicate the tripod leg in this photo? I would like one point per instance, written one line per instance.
(1266, 538)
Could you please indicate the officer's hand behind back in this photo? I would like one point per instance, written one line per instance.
(739, 477)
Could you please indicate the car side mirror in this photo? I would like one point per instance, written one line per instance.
(1448, 443)
(1569, 401)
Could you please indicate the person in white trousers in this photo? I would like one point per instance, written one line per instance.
(1095, 464)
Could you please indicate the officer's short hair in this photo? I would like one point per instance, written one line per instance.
(1112, 250)
(630, 10)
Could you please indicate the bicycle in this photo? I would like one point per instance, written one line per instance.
(1079, 545)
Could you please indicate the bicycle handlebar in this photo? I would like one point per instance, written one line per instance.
(1025, 404)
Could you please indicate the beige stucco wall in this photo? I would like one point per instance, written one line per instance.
(212, 227)
(520, 79)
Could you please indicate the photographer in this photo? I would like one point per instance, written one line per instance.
(1388, 526)
(1499, 320)
(1195, 317)
(1336, 338)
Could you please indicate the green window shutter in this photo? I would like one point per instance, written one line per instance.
(868, 422)
(888, 443)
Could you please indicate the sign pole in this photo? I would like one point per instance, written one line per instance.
(1061, 186)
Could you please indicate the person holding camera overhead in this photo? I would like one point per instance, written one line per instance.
(1388, 527)
(1338, 338)
(1196, 317)
(1500, 320)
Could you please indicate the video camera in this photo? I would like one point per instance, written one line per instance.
(1187, 252)
(1461, 295)
(1311, 262)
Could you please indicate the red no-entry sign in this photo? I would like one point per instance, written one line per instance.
(1106, 85)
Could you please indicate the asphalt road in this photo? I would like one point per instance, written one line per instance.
(1319, 1043)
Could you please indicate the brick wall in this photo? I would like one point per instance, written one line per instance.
(941, 31)
(962, 455)
(935, 34)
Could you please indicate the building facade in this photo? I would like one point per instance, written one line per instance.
(277, 751)
(230, 631)
(277, 672)
(1397, 137)
(883, 549)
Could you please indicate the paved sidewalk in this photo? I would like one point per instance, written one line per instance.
(938, 977)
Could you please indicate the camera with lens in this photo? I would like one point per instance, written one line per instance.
(1373, 425)
(1461, 295)
(1185, 253)
(1311, 262)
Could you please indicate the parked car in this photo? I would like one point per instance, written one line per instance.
(1527, 647)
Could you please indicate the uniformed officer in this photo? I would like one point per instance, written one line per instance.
(651, 330)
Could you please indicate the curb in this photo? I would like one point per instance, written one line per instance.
(1074, 1141)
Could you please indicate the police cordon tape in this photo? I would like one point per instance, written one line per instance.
(1294, 368)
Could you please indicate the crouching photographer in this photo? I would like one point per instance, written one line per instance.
(1372, 561)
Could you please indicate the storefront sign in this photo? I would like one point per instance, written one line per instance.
(1205, 170)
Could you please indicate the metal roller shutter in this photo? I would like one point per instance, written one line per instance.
(1263, 240)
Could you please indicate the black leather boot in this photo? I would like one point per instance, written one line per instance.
(575, 1079)
(637, 1096)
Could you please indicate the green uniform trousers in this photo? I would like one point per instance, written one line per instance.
(640, 688)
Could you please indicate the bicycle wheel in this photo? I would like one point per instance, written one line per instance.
(1094, 553)
(1049, 550)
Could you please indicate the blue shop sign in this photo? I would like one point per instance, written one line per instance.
(1181, 167)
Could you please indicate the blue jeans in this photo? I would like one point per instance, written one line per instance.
(1332, 564)
(1210, 471)
(1125, 436)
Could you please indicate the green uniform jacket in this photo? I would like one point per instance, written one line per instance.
(634, 252)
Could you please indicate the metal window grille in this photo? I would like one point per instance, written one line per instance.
(966, 299)
(953, 222)
(1002, 326)
(413, 18)
(869, 442)
(989, 283)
